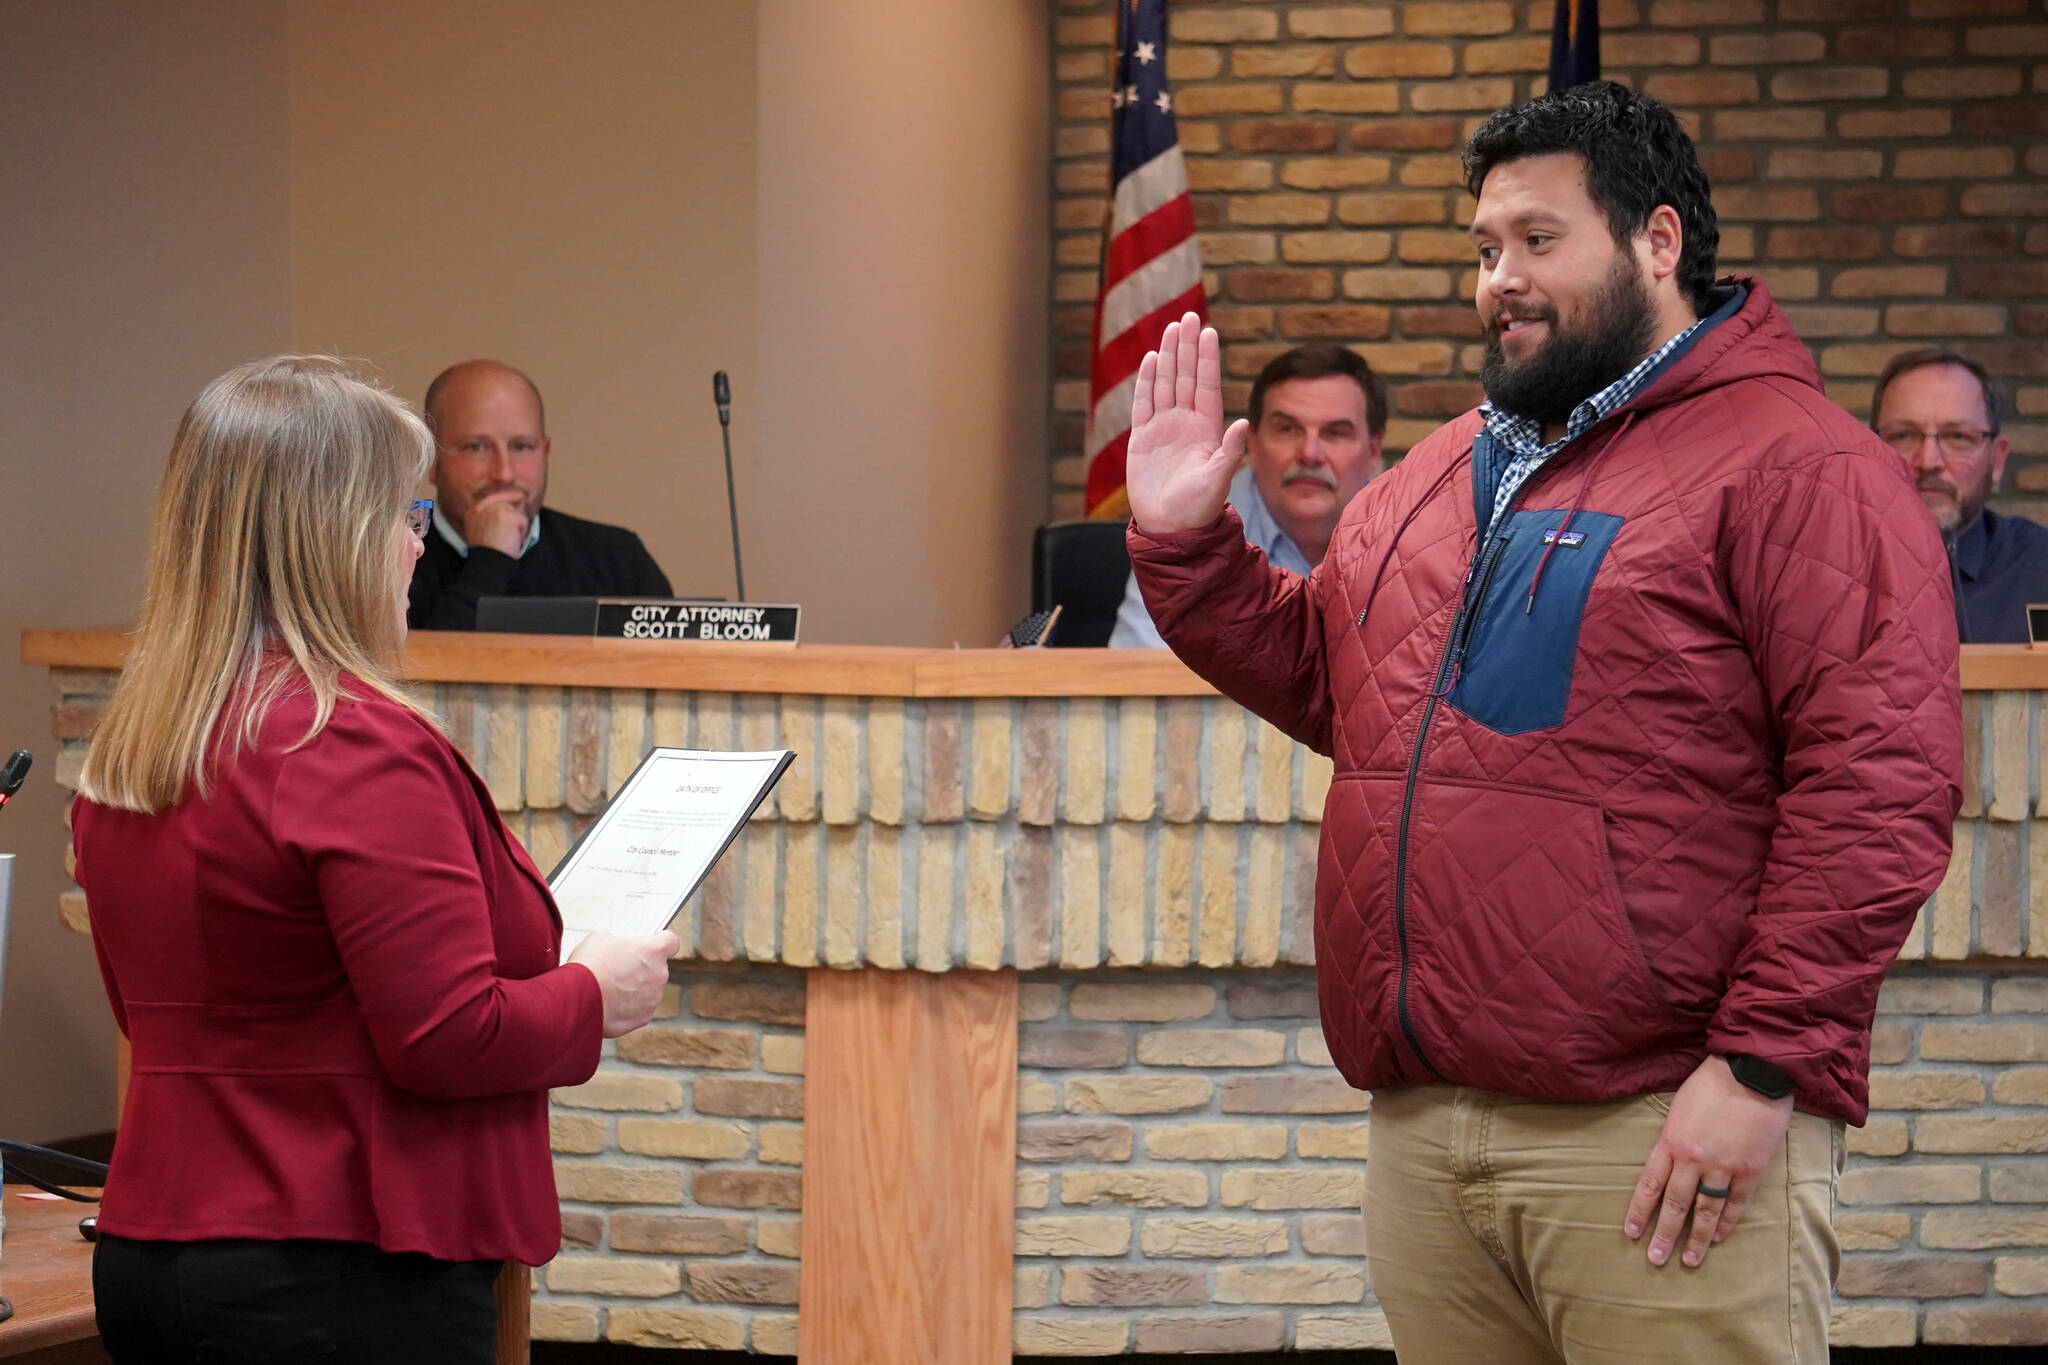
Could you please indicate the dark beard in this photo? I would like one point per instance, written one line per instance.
(1574, 365)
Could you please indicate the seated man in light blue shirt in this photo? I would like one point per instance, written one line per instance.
(1318, 414)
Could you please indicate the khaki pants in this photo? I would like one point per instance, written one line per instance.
(1493, 1233)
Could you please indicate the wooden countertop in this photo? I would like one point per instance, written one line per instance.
(831, 670)
(835, 670)
(46, 1270)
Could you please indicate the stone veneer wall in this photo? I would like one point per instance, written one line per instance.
(925, 833)
(1054, 832)
(1880, 163)
(1188, 1162)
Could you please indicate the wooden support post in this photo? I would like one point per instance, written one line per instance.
(515, 1314)
(910, 1161)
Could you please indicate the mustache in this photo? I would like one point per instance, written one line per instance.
(1303, 473)
(1497, 322)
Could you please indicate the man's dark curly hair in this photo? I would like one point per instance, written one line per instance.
(1636, 156)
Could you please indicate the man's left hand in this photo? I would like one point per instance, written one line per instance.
(1720, 1135)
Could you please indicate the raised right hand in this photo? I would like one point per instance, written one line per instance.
(1180, 460)
(631, 975)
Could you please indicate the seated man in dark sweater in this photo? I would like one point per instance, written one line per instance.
(1939, 410)
(491, 536)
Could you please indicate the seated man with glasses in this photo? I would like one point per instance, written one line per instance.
(1939, 410)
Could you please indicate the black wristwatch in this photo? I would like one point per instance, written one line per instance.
(1759, 1075)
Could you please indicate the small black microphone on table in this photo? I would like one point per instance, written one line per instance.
(721, 393)
(14, 774)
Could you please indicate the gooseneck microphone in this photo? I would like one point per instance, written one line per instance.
(1955, 583)
(721, 393)
(14, 774)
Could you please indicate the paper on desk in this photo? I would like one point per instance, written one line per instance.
(653, 844)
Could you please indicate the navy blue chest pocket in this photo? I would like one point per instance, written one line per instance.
(1516, 671)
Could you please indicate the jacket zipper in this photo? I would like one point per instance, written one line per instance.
(1483, 564)
(1481, 574)
(1491, 559)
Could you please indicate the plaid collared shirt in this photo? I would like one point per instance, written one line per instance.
(1522, 437)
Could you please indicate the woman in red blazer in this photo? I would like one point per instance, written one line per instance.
(336, 968)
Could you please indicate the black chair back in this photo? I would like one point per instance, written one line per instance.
(1082, 566)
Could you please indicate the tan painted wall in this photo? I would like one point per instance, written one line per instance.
(903, 153)
(145, 221)
(619, 198)
(569, 188)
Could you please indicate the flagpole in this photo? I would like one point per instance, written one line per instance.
(1116, 48)
(1106, 510)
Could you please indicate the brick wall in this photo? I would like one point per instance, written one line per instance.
(680, 1171)
(1945, 1200)
(1879, 163)
(1190, 1169)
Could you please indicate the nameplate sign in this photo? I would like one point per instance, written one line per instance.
(722, 622)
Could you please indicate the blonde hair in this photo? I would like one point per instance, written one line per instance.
(277, 538)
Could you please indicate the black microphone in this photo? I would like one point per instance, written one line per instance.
(1955, 583)
(721, 393)
(14, 774)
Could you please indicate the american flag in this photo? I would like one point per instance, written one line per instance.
(1151, 267)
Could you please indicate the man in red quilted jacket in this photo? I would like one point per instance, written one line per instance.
(1641, 685)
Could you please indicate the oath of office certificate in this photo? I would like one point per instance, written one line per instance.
(653, 844)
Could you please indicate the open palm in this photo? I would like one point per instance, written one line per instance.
(1180, 460)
